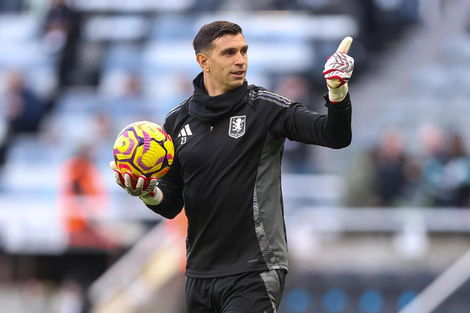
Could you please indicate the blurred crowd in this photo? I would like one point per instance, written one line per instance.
(391, 174)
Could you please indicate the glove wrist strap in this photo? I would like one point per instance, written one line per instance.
(156, 199)
(338, 94)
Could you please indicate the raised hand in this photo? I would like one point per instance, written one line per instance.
(338, 70)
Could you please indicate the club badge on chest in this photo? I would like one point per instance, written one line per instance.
(237, 126)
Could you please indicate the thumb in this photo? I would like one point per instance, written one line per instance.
(345, 45)
(112, 165)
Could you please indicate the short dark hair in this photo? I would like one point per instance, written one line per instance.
(209, 32)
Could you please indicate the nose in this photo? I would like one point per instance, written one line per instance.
(240, 59)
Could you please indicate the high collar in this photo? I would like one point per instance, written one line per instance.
(207, 108)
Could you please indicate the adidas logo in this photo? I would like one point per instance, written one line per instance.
(184, 133)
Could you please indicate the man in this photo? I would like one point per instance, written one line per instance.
(229, 138)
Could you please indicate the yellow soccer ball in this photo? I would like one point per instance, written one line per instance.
(143, 148)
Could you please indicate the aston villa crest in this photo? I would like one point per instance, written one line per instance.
(237, 126)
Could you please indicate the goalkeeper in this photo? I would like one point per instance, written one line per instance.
(229, 138)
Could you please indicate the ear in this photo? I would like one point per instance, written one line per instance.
(203, 61)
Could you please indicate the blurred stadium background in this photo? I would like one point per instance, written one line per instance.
(382, 226)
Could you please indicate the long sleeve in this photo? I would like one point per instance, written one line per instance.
(295, 122)
(172, 183)
(171, 186)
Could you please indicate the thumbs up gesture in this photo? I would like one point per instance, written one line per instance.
(338, 70)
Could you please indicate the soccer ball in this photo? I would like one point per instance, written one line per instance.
(143, 148)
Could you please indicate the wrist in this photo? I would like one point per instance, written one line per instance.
(336, 95)
(154, 199)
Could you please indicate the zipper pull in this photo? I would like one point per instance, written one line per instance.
(212, 128)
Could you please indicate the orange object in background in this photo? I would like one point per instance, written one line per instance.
(177, 230)
(81, 197)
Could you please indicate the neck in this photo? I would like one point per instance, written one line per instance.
(210, 108)
(211, 89)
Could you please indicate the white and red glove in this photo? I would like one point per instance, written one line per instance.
(338, 70)
(144, 188)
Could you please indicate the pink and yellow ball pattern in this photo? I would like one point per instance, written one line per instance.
(143, 148)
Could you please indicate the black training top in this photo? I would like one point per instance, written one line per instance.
(227, 173)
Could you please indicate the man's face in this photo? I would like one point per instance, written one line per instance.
(227, 63)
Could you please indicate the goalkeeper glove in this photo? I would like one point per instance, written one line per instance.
(144, 188)
(338, 70)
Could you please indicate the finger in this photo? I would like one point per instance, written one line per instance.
(119, 178)
(140, 184)
(345, 45)
(342, 48)
(128, 181)
(146, 182)
(149, 185)
(152, 184)
(112, 165)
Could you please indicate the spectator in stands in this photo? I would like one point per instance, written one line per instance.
(391, 163)
(21, 111)
(24, 110)
(384, 176)
(56, 26)
(82, 197)
(432, 140)
(446, 170)
(360, 178)
(458, 172)
(61, 32)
